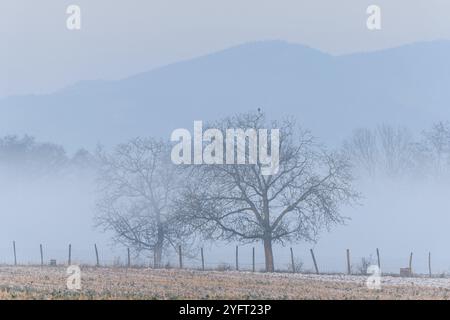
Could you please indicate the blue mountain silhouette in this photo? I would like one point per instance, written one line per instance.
(331, 95)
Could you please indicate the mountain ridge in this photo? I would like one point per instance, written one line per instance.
(330, 95)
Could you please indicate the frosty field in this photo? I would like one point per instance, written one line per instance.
(121, 283)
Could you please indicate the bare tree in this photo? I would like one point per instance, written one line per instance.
(363, 150)
(436, 146)
(238, 202)
(396, 146)
(138, 184)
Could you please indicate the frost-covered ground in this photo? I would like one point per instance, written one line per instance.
(121, 283)
(385, 280)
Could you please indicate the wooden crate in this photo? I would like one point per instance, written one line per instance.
(405, 272)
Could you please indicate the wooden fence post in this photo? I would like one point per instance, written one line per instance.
(253, 260)
(292, 261)
(237, 258)
(349, 268)
(180, 254)
(203, 259)
(15, 256)
(378, 259)
(69, 262)
(410, 263)
(314, 260)
(96, 255)
(429, 263)
(128, 258)
(42, 255)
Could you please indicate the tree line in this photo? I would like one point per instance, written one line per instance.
(395, 152)
(25, 157)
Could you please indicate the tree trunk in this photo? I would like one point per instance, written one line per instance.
(268, 255)
(159, 248)
(157, 255)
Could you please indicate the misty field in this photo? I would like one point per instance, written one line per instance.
(122, 283)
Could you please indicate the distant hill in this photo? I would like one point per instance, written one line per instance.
(331, 95)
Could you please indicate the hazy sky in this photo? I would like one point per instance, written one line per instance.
(119, 38)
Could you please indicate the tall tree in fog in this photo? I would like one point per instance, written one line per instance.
(138, 184)
(238, 202)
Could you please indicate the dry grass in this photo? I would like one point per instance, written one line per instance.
(120, 283)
